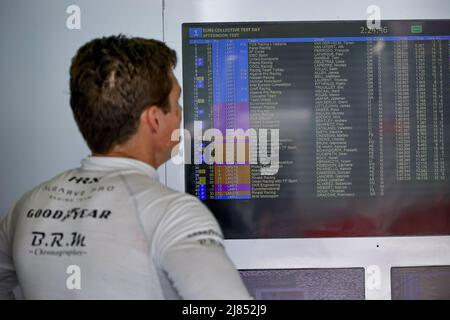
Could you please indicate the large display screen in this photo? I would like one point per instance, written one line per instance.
(344, 127)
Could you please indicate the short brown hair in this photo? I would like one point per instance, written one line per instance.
(112, 80)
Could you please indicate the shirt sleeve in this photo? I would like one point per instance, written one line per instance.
(8, 277)
(190, 250)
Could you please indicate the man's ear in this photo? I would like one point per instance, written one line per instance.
(151, 117)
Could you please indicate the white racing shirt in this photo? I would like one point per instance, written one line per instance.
(110, 230)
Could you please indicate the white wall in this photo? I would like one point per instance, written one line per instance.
(38, 136)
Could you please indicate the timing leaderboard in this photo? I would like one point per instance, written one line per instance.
(360, 112)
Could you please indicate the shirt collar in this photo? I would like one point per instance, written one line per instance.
(117, 163)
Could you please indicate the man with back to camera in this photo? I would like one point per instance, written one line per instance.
(110, 222)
